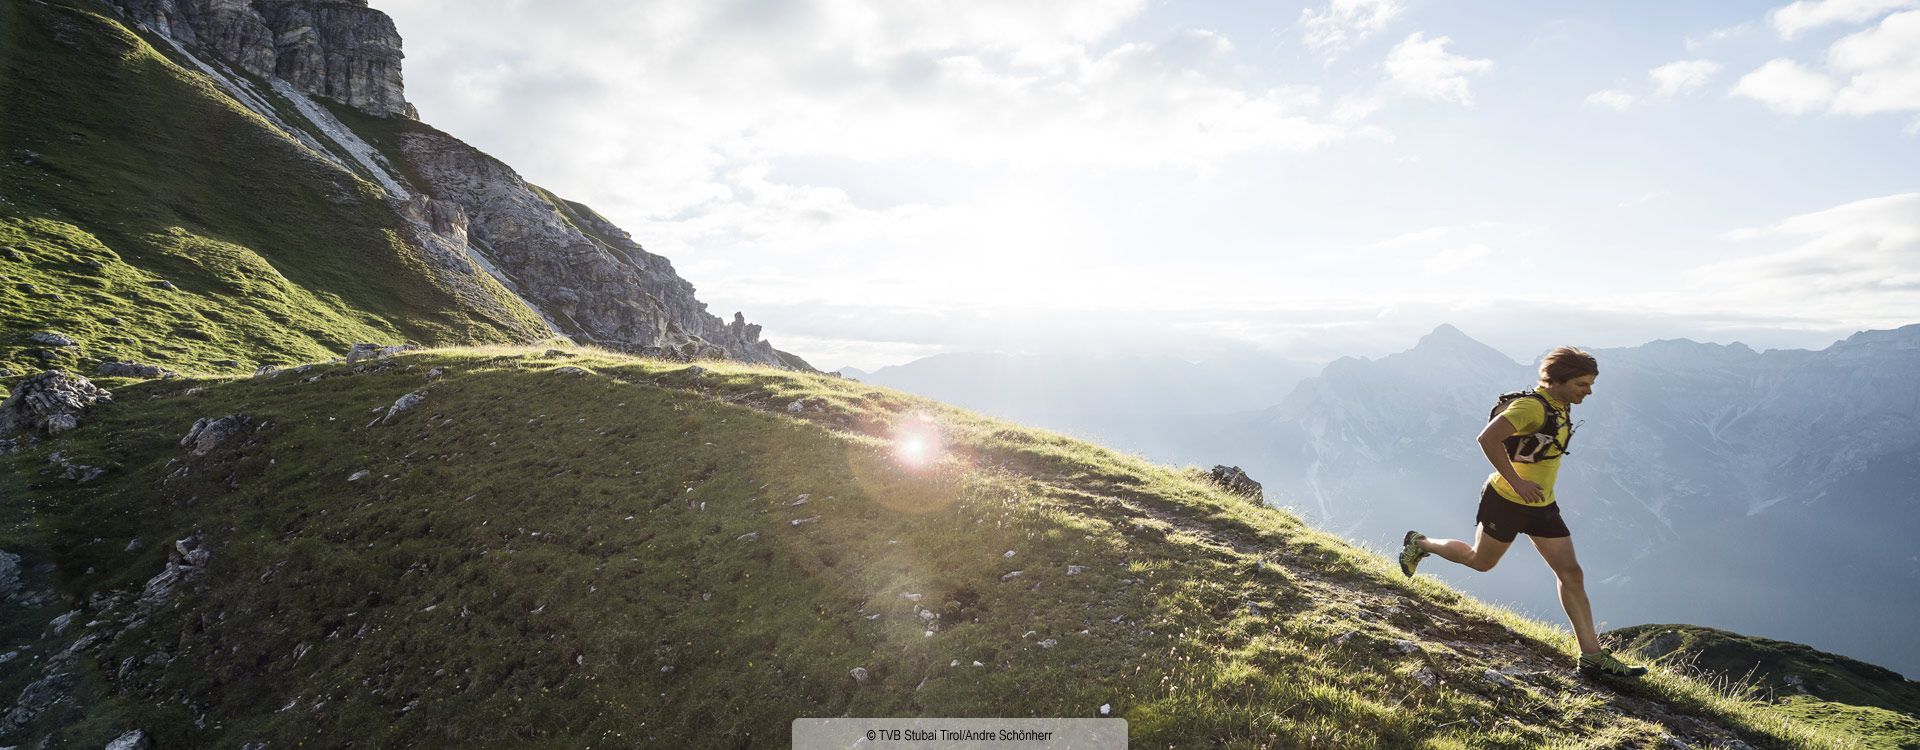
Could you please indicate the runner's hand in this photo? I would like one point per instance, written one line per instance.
(1529, 491)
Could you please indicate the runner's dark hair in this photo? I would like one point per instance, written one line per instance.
(1566, 363)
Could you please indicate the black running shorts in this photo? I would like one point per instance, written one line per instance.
(1506, 520)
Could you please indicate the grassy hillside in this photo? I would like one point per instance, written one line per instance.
(619, 555)
(1817, 687)
(148, 217)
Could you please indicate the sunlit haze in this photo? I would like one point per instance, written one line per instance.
(877, 182)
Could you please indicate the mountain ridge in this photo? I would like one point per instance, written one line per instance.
(592, 283)
(495, 544)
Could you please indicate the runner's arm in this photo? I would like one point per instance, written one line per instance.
(1492, 442)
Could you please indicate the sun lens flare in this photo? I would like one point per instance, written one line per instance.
(917, 443)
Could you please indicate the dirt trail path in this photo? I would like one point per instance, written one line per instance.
(1479, 639)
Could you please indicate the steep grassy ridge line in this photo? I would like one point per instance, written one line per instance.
(619, 555)
(123, 170)
(1819, 688)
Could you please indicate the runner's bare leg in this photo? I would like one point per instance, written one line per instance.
(1573, 589)
(1482, 555)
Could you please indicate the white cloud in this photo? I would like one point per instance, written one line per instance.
(1424, 67)
(1429, 237)
(1614, 99)
(1682, 76)
(1882, 65)
(1790, 20)
(1644, 199)
(1455, 259)
(673, 96)
(1695, 44)
(1877, 70)
(1858, 261)
(1786, 87)
(1346, 22)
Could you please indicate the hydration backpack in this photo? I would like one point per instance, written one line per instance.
(1544, 443)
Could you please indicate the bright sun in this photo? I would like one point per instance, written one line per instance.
(917, 443)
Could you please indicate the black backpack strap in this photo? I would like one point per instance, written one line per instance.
(1565, 416)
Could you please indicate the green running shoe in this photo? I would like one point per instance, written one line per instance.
(1410, 552)
(1603, 664)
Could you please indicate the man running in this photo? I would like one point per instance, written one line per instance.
(1524, 442)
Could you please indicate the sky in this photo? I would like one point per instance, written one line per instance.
(880, 181)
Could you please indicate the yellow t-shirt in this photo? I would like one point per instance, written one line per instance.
(1527, 415)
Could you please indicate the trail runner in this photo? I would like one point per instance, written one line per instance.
(1524, 441)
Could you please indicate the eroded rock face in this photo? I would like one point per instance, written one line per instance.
(487, 235)
(51, 401)
(588, 275)
(339, 49)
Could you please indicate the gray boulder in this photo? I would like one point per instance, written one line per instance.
(9, 574)
(36, 699)
(50, 338)
(52, 400)
(206, 435)
(134, 740)
(133, 370)
(1237, 482)
(364, 351)
(402, 404)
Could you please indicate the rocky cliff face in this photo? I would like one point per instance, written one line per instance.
(339, 49)
(587, 277)
(591, 278)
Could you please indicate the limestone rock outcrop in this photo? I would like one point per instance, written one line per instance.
(586, 274)
(339, 49)
(52, 400)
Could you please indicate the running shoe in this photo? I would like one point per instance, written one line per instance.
(1410, 552)
(1604, 664)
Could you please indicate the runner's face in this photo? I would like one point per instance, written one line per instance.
(1573, 391)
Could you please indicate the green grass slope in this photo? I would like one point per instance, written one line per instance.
(619, 556)
(1818, 687)
(149, 217)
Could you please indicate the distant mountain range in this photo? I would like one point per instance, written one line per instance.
(1145, 402)
(1713, 484)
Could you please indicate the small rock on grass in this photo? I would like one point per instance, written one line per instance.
(131, 369)
(402, 404)
(359, 475)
